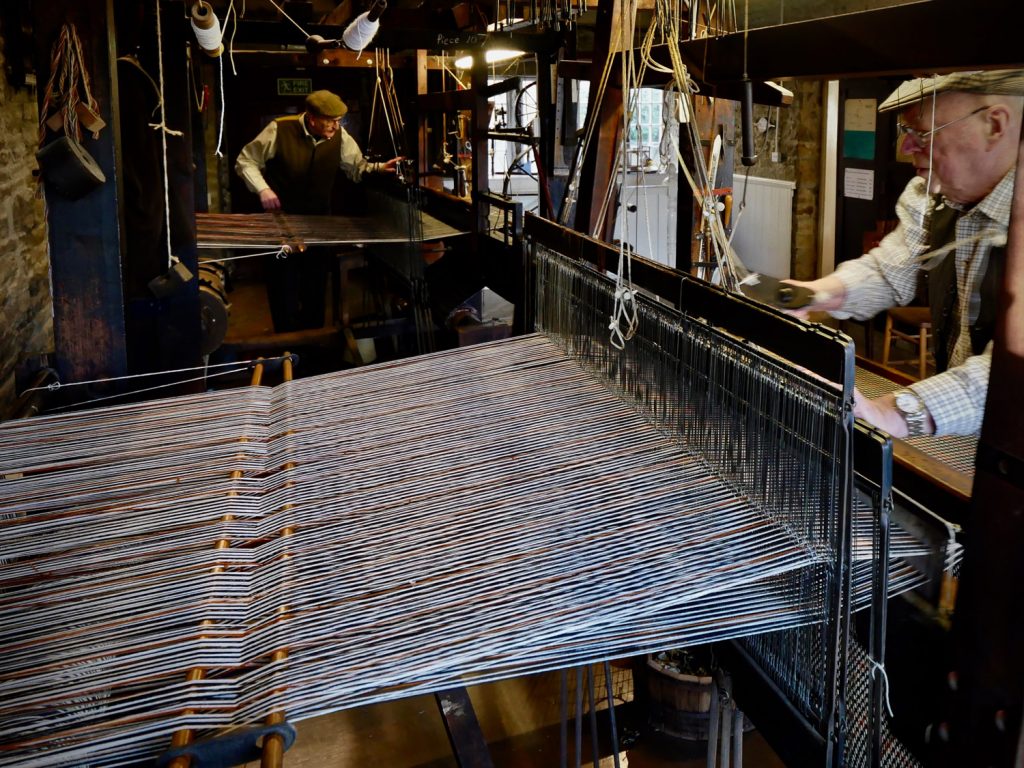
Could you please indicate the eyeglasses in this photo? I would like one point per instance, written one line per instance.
(921, 138)
(325, 121)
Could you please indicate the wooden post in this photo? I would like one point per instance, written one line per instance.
(83, 234)
(162, 333)
(106, 322)
(599, 160)
(423, 127)
(478, 133)
(546, 93)
(988, 624)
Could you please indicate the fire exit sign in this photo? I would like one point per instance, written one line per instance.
(294, 86)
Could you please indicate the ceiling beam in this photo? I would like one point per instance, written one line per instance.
(922, 37)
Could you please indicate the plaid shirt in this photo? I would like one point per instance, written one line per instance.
(887, 276)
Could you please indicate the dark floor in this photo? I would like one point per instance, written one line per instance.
(519, 719)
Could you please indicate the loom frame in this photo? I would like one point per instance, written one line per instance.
(817, 348)
(821, 351)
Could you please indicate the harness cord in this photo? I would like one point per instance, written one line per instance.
(164, 130)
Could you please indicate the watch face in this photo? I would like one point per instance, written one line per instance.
(908, 402)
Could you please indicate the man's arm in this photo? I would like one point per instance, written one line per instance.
(253, 159)
(954, 399)
(884, 277)
(355, 165)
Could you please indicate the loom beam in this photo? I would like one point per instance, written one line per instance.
(865, 44)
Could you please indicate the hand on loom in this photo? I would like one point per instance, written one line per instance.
(269, 200)
(883, 413)
(828, 292)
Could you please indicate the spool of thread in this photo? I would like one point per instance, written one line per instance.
(361, 31)
(207, 28)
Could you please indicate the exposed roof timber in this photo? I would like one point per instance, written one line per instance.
(923, 37)
(260, 33)
(767, 93)
(342, 13)
(346, 59)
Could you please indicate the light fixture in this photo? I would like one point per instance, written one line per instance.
(491, 56)
(497, 26)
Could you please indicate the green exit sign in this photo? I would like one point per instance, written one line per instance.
(294, 86)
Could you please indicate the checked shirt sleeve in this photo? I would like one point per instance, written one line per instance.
(956, 398)
(887, 276)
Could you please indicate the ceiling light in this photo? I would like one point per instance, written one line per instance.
(491, 56)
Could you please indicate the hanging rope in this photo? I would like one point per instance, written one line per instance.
(624, 320)
(293, 21)
(164, 130)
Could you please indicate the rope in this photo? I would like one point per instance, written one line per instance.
(154, 388)
(54, 386)
(223, 108)
(283, 252)
(876, 667)
(624, 309)
(293, 21)
(164, 130)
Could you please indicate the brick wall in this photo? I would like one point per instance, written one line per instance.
(26, 309)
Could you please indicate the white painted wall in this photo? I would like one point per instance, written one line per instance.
(651, 229)
(764, 231)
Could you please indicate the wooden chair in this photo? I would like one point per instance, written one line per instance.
(913, 325)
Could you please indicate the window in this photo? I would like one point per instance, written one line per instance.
(644, 128)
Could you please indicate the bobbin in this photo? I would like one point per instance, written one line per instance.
(207, 29)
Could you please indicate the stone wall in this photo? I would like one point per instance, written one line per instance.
(799, 128)
(809, 126)
(26, 309)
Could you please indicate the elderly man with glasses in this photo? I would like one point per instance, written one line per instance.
(292, 165)
(962, 132)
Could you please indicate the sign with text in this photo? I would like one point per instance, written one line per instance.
(294, 86)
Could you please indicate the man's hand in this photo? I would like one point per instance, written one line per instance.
(829, 293)
(883, 413)
(269, 200)
(390, 165)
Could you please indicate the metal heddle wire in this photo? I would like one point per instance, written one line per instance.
(776, 435)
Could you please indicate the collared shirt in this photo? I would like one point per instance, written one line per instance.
(887, 276)
(254, 156)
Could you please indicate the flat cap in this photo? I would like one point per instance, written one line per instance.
(326, 104)
(1006, 82)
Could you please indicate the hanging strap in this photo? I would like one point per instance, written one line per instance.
(68, 84)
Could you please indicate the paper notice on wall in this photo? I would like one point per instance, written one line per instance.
(859, 116)
(859, 183)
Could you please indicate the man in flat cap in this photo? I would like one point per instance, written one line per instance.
(962, 132)
(292, 165)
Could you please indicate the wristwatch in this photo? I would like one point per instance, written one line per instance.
(913, 410)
